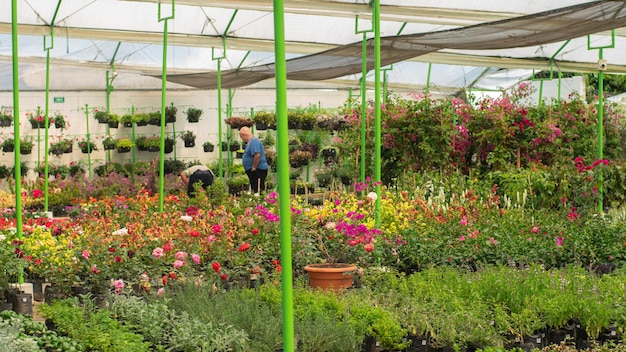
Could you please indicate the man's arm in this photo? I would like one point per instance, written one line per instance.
(184, 177)
(255, 161)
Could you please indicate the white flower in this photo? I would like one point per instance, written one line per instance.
(186, 218)
(2, 237)
(372, 196)
(330, 225)
(122, 231)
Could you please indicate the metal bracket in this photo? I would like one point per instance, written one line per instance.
(213, 57)
(171, 3)
(356, 27)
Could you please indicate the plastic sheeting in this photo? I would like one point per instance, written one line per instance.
(546, 27)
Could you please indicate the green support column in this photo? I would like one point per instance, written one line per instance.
(363, 94)
(219, 108)
(377, 141)
(165, 20)
(16, 126)
(430, 67)
(282, 138)
(600, 132)
(601, 67)
(88, 136)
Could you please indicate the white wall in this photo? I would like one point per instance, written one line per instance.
(76, 103)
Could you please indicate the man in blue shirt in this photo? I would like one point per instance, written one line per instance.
(253, 160)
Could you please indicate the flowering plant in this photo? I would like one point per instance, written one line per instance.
(344, 231)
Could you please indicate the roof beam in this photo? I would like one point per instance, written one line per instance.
(430, 15)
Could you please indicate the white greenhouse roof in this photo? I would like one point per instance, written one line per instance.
(91, 35)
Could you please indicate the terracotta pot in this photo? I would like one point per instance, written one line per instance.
(330, 277)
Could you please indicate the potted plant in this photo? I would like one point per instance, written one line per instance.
(59, 121)
(154, 118)
(87, 146)
(123, 145)
(141, 118)
(101, 116)
(127, 120)
(169, 145)
(8, 145)
(298, 158)
(170, 113)
(108, 143)
(113, 120)
(152, 143)
(76, 169)
(37, 121)
(264, 120)
(193, 114)
(26, 145)
(237, 184)
(57, 148)
(324, 178)
(189, 138)
(238, 122)
(307, 120)
(6, 120)
(208, 147)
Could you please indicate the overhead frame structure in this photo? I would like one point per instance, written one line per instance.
(311, 26)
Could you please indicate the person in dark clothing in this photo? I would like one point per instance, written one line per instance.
(194, 174)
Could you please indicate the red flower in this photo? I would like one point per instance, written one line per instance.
(111, 250)
(194, 233)
(37, 193)
(164, 280)
(118, 259)
(167, 247)
(37, 262)
(223, 277)
(244, 247)
(216, 266)
(255, 231)
(173, 275)
(191, 211)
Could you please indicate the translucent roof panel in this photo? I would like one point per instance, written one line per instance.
(87, 34)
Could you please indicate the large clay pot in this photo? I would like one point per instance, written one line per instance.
(330, 277)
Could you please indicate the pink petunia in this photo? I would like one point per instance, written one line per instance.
(179, 264)
(85, 254)
(195, 258)
(157, 252)
(180, 255)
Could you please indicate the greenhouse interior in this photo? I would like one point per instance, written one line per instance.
(313, 176)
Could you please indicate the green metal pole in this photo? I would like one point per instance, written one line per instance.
(88, 139)
(559, 86)
(282, 138)
(219, 116)
(39, 112)
(541, 92)
(363, 103)
(163, 103)
(132, 134)
(377, 143)
(47, 119)
(16, 127)
(109, 88)
(430, 67)
(600, 130)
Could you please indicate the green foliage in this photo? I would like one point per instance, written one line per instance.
(96, 330)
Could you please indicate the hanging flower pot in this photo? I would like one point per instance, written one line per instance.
(330, 276)
(190, 143)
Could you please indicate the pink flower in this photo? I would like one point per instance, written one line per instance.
(461, 238)
(492, 240)
(559, 241)
(118, 285)
(463, 221)
(180, 255)
(210, 239)
(179, 264)
(157, 252)
(369, 247)
(195, 258)
(85, 254)
(94, 269)
(161, 292)
(37, 193)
